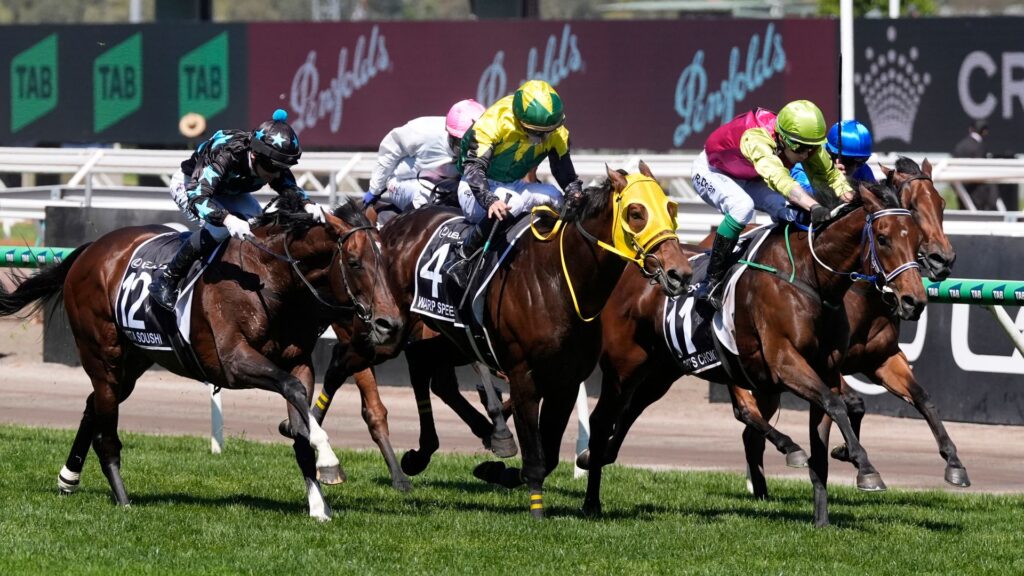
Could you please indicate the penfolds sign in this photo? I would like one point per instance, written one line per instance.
(654, 85)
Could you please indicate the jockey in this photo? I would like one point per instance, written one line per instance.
(856, 150)
(423, 148)
(214, 187)
(745, 164)
(510, 139)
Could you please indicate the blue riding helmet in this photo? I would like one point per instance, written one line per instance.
(857, 141)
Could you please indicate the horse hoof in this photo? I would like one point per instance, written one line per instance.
(402, 484)
(331, 475)
(799, 459)
(68, 487)
(957, 477)
(583, 459)
(841, 453)
(503, 446)
(537, 506)
(489, 471)
(592, 510)
(412, 463)
(870, 482)
(284, 429)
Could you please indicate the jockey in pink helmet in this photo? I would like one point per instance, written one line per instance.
(419, 155)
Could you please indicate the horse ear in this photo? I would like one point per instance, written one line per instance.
(867, 196)
(617, 180)
(926, 167)
(885, 170)
(646, 171)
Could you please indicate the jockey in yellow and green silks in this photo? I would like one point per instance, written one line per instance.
(509, 140)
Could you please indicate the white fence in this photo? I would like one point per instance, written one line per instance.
(96, 177)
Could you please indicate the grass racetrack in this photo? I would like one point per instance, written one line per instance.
(244, 511)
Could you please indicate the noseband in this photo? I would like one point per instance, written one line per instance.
(879, 277)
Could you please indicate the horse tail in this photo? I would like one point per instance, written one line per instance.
(42, 288)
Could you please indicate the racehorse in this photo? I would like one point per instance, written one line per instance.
(540, 302)
(256, 314)
(791, 331)
(874, 344)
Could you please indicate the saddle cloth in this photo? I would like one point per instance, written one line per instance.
(163, 335)
(437, 297)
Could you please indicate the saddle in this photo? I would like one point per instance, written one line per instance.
(162, 333)
(437, 296)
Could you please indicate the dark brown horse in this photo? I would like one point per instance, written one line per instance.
(791, 332)
(540, 302)
(874, 344)
(256, 314)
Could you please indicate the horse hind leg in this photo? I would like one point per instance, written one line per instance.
(70, 475)
(375, 414)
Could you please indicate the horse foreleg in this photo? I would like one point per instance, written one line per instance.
(855, 409)
(375, 414)
(896, 376)
(501, 441)
(646, 391)
(602, 419)
(420, 374)
(819, 426)
(71, 474)
(328, 468)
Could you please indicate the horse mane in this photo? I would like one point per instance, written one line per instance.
(594, 201)
(883, 190)
(287, 212)
(907, 166)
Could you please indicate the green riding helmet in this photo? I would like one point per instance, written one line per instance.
(801, 123)
(538, 107)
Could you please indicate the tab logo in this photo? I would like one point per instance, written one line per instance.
(117, 83)
(34, 83)
(203, 78)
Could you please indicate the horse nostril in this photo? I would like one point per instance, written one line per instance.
(679, 277)
(384, 325)
(912, 307)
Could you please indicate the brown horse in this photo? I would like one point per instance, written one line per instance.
(791, 332)
(256, 314)
(540, 302)
(874, 345)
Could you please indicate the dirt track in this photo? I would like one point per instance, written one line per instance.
(682, 431)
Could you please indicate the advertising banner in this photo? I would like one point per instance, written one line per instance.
(114, 83)
(921, 82)
(653, 85)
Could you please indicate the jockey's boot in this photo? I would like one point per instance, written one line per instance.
(164, 289)
(709, 289)
(469, 250)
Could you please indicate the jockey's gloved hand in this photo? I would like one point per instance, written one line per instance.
(237, 227)
(573, 192)
(820, 215)
(316, 210)
(370, 198)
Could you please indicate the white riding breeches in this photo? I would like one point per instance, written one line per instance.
(737, 197)
(520, 196)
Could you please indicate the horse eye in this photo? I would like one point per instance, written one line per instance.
(355, 263)
(883, 240)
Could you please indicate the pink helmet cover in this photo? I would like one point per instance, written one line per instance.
(461, 116)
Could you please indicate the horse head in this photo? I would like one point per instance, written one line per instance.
(343, 255)
(644, 229)
(917, 193)
(890, 241)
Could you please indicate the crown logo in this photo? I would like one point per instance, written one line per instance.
(892, 90)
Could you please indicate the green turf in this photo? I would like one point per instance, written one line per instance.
(244, 511)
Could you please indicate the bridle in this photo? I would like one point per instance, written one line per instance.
(879, 278)
(363, 311)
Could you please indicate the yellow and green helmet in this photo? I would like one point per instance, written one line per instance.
(538, 107)
(801, 123)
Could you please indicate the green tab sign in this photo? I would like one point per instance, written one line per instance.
(117, 83)
(203, 78)
(34, 83)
